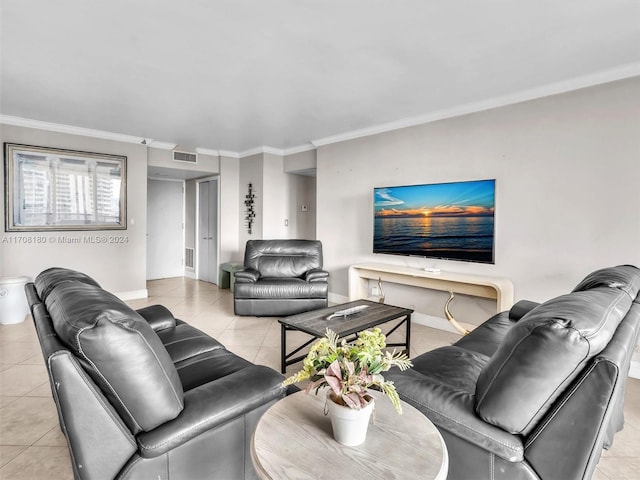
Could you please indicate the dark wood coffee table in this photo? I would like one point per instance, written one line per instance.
(315, 323)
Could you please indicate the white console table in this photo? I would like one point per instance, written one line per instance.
(498, 288)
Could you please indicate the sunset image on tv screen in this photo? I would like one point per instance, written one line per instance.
(445, 220)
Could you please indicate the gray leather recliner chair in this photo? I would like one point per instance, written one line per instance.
(280, 278)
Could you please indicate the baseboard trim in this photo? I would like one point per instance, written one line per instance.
(190, 274)
(132, 294)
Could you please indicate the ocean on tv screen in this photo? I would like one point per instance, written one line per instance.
(450, 220)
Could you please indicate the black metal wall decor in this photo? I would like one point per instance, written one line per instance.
(250, 214)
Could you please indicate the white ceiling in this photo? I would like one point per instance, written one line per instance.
(236, 75)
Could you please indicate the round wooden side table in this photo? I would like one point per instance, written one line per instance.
(294, 440)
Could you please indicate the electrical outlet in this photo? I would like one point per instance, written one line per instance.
(375, 291)
(286, 222)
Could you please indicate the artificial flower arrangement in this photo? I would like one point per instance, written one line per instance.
(350, 369)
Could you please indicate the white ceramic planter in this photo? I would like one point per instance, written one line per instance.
(349, 425)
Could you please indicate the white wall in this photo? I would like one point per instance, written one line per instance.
(118, 267)
(278, 198)
(567, 191)
(305, 194)
(230, 211)
(276, 194)
(250, 172)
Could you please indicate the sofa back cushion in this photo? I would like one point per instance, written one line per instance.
(121, 352)
(622, 277)
(48, 279)
(543, 353)
(283, 258)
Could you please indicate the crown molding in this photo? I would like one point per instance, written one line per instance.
(61, 128)
(621, 73)
(299, 149)
(162, 145)
(228, 153)
(259, 150)
(277, 151)
(208, 151)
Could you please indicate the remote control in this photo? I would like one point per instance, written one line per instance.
(348, 311)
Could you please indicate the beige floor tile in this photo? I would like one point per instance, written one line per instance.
(22, 379)
(36, 359)
(242, 338)
(9, 452)
(269, 356)
(626, 443)
(13, 352)
(424, 339)
(273, 335)
(53, 438)
(620, 468)
(19, 332)
(43, 390)
(6, 400)
(261, 325)
(632, 408)
(598, 475)
(246, 352)
(39, 463)
(26, 421)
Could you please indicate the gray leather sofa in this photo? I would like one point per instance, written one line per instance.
(535, 392)
(140, 394)
(280, 278)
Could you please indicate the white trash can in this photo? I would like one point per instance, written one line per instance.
(13, 301)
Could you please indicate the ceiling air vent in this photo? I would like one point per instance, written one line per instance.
(179, 156)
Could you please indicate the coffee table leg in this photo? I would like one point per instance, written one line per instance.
(408, 338)
(283, 348)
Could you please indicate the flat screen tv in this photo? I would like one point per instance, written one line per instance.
(452, 221)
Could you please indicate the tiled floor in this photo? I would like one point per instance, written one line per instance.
(32, 447)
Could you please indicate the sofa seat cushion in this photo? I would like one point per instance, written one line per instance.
(120, 351)
(184, 341)
(209, 366)
(441, 385)
(543, 353)
(281, 288)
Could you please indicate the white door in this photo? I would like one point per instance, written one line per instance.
(208, 231)
(165, 236)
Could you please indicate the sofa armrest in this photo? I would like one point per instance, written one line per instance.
(158, 316)
(212, 404)
(521, 308)
(248, 275)
(316, 275)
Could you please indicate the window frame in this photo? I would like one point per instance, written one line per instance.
(92, 184)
